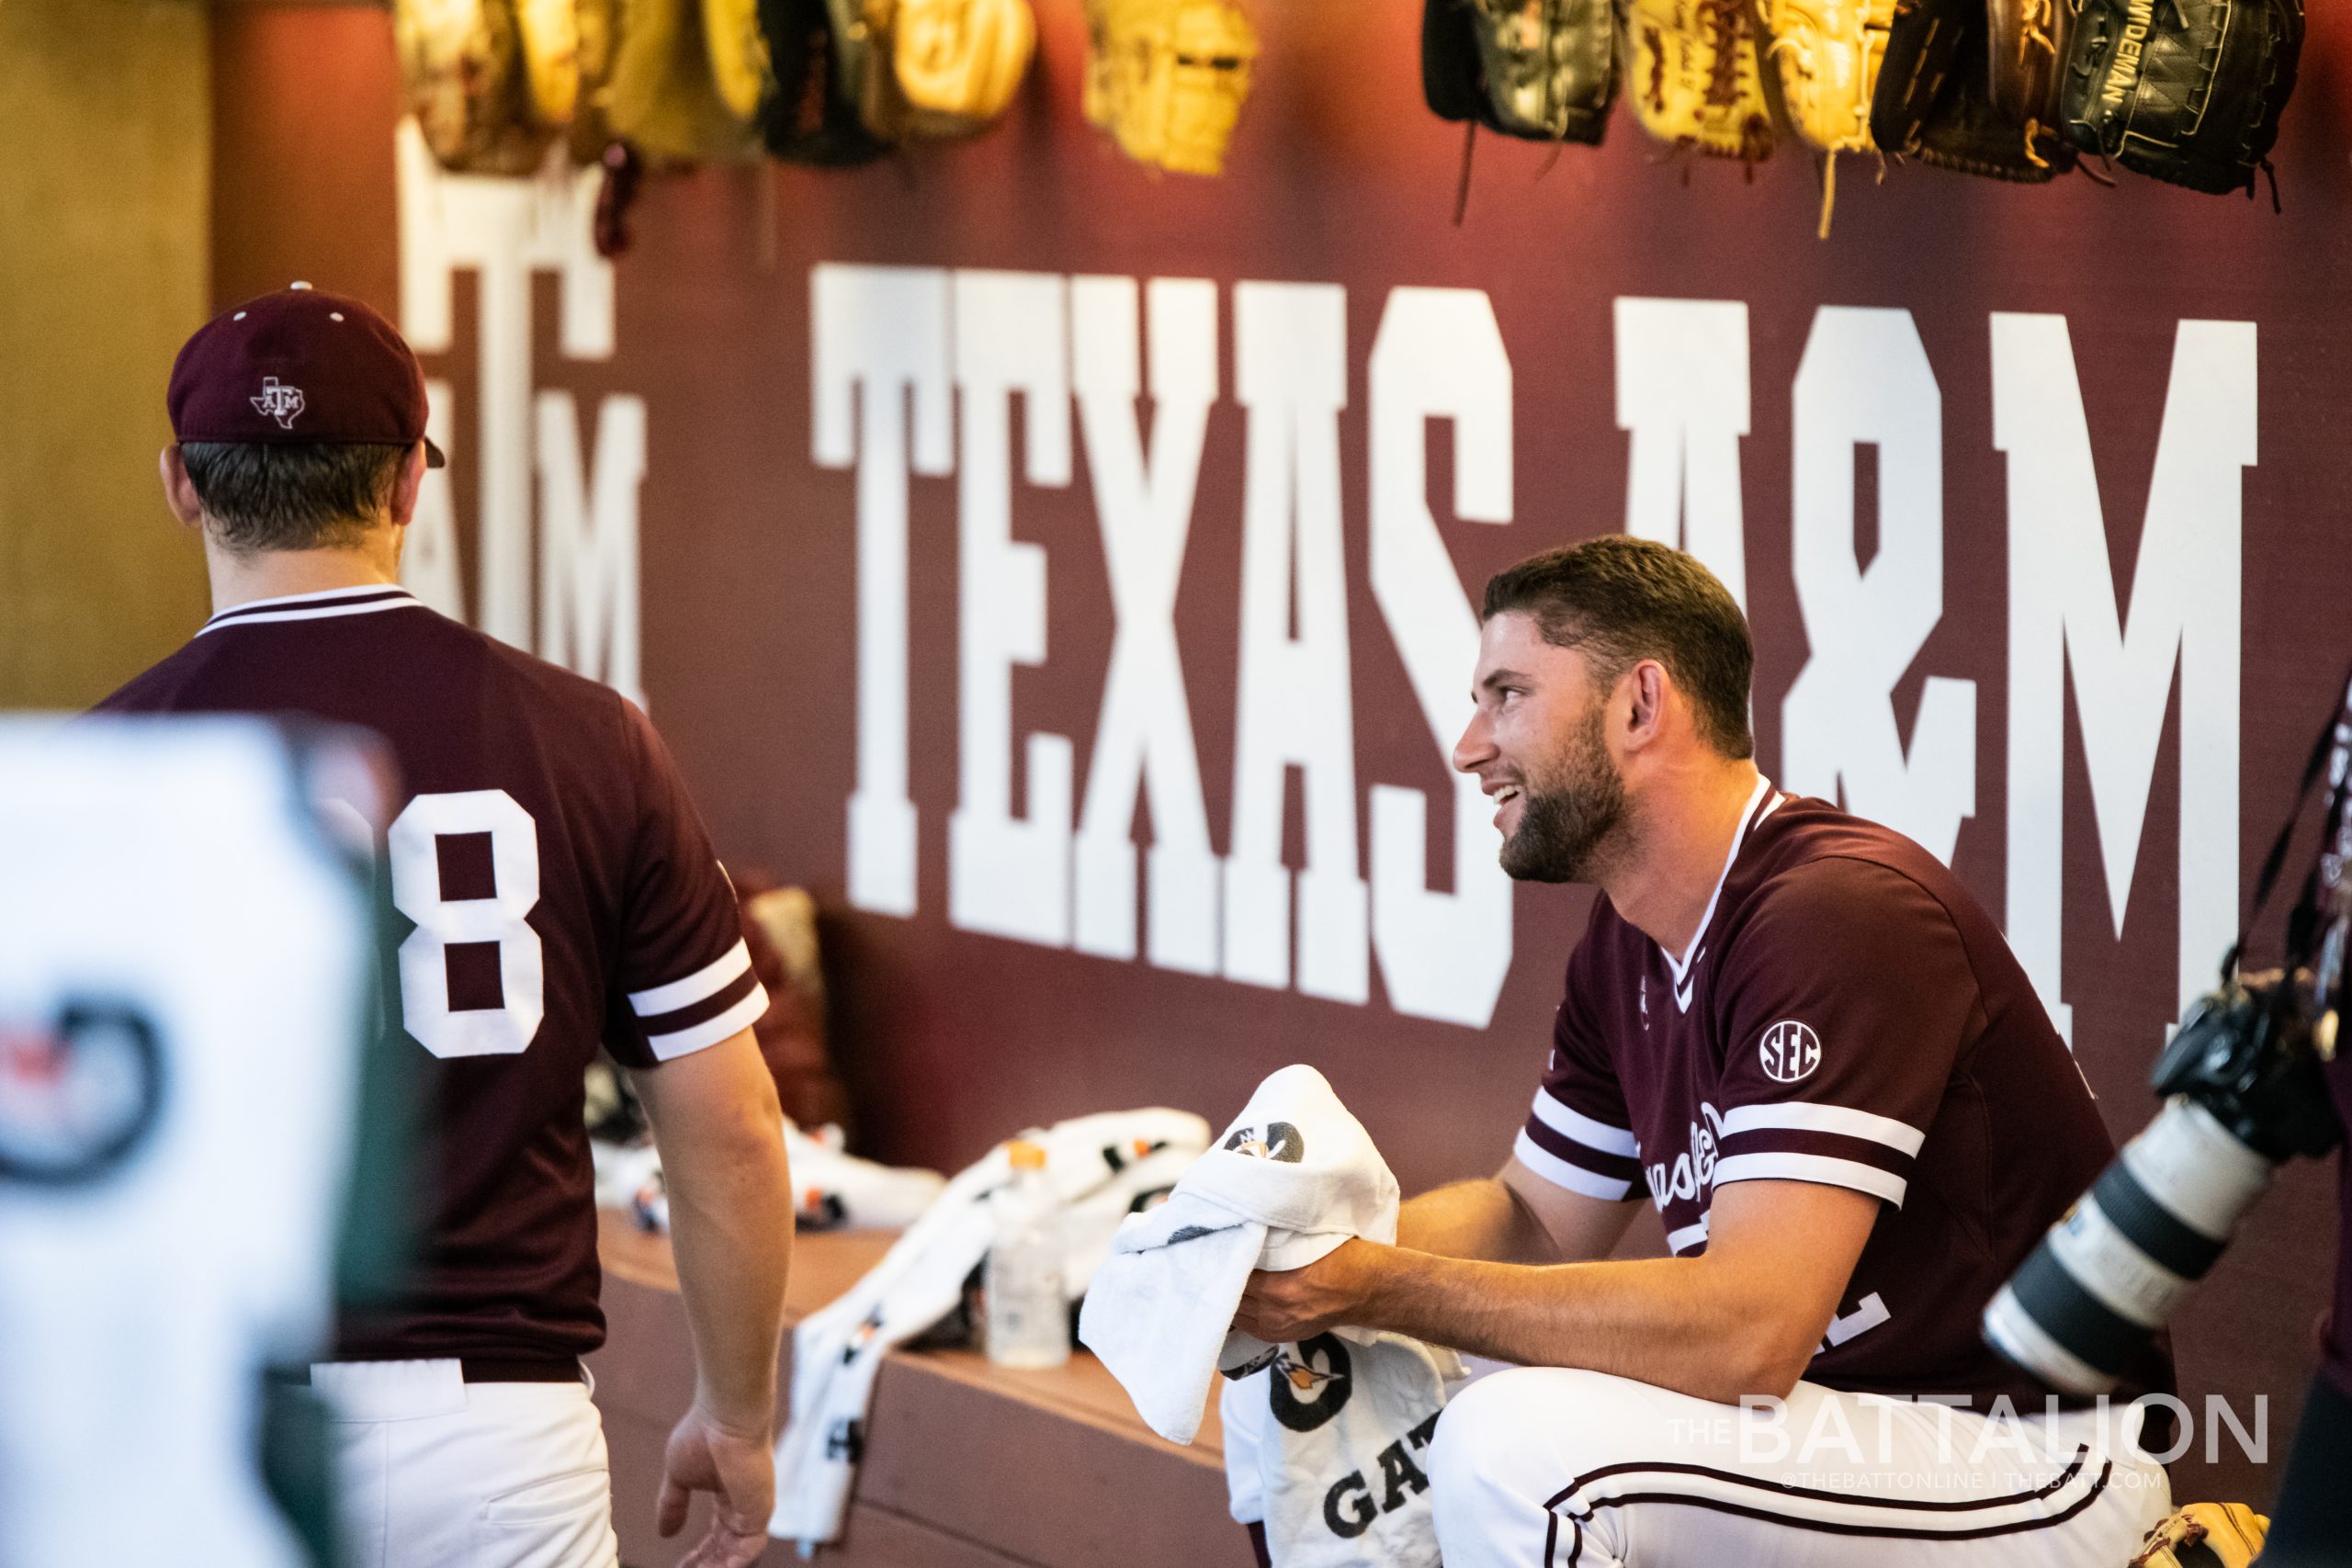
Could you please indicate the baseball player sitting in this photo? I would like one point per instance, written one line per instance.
(555, 889)
(1803, 1039)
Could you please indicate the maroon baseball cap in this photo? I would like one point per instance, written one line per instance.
(301, 367)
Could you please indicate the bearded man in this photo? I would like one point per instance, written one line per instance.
(1810, 1046)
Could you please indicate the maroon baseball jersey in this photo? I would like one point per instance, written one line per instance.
(554, 890)
(1846, 1014)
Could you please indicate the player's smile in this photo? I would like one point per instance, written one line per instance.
(1505, 797)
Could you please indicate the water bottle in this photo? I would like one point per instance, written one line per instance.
(1028, 1314)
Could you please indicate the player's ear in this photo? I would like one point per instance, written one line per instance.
(179, 490)
(1645, 702)
(408, 485)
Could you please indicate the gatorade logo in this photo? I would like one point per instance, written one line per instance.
(1278, 1141)
(1311, 1388)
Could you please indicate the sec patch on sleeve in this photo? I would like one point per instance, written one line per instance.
(1790, 1051)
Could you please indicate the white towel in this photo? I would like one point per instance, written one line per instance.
(1294, 1176)
(1331, 1456)
(1328, 1447)
(831, 1189)
(1100, 1167)
(623, 1171)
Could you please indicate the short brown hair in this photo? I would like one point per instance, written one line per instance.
(1622, 599)
(291, 496)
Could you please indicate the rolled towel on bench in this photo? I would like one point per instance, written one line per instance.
(1099, 1166)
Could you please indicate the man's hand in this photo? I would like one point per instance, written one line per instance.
(738, 1469)
(1299, 1303)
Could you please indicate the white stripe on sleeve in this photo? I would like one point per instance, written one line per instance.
(1560, 1173)
(1900, 1136)
(1689, 1235)
(1571, 1123)
(706, 981)
(1823, 1169)
(710, 1032)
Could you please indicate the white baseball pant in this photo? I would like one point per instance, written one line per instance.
(1553, 1468)
(434, 1471)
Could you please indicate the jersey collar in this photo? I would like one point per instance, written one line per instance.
(1765, 796)
(324, 604)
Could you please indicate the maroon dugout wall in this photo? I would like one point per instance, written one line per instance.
(2036, 497)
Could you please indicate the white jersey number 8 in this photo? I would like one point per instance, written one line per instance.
(503, 1031)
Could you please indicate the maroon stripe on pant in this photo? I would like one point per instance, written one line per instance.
(1827, 1526)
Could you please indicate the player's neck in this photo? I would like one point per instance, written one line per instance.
(241, 577)
(1686, 835)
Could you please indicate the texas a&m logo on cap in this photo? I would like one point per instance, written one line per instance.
(278, 402)
(1790, 1051)
(250, 375)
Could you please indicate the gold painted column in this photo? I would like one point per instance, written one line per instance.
(106, 117)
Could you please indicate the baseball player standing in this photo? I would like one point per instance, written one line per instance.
(556, 891)
(1800, 1036)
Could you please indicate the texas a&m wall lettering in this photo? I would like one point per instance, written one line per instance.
(915, 371)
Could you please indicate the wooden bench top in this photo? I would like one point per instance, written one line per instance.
(967, 1464)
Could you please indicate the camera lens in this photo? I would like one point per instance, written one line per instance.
(2108, 1277)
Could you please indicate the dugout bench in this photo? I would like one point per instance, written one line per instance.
(967, 1465)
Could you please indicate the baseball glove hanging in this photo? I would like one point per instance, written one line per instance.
(1935, 104)
(550, 42)
(1826, 55)
(953, 65)
(567, 58)
(597, 25)
(2188, 91)
(2205, 1534)
(1167, 78)
(1694, 75)
(1453, 82)
(463, 74)
(1544, 70)
(738, 55)
(823, 58)
(665, 98)
(2026, 45)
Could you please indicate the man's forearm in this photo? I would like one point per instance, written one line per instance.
(1481, 1218)
(720, 1131)
(1670, 1322)
(1745, 1317)
(730, 1226)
